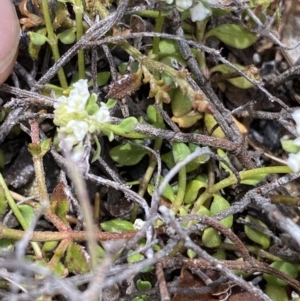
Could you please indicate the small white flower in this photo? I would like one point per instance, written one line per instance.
(102, 115)
(296, 116)
(200, 12)
(183, 4)
(138, 224)
(293, 162)
(297, 141)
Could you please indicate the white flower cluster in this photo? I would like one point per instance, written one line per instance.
(75, 119)
(199, 11)
(294, 159)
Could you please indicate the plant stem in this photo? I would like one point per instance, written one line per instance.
(158, 27)
(181, 190)
(15, 209)
(52, 39)
(78, 10)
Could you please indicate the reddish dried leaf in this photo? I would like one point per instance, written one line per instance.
(125, 86)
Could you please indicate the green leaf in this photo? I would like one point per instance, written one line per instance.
(91, 106)
(102, 78)
(49, 246)
(168, 192)
(233, 35)
(7, 244)
(3, 203)
(117, 225)
(76, 260)
(111, 103)
(211, 126)
(61, 210)
(256, 236)
(27, 212)
(219, 204)
(191, 253)
(168, 159)
(143, 285)
(254, 180)
(168, 47)
(37, 39)
(127, 154)
(192, 190)
(98, 149)
(286, 268)
(134, 257)
(276, 293)
(67, 36)
(219, 254)
(180, 151)
(238, 81)
(45, 146)
(222, 154)
(181, 103)
(211, 238)
(289, 146)
(125, 128)
(194, 164)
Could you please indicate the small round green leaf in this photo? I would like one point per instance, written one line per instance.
(180, 151)
(143, 285)
(117, 225)
(284, 267)
(127, 154)
(211, 238)
(67, 36)
(77, 259)
(37, 39)
(257, 236)
(219, 204)
(276, 293)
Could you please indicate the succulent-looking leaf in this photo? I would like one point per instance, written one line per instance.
(168, 192)
(102, 78)
(181, 103)
(67, 36)
(276, 293)
(125, 86)
(188, 120)
(49, 246)
(257, 236)
(143, 285)
(211, 238)
(37, 39)
(285, 267)
(219, 204)
(211, 126)
(134, 257)
(289, 146)
(191, 253)
(180, 151)
(233, 35)
(127, 154)
(77, 259)
(192, 190)
(27, 212)
(117, 225)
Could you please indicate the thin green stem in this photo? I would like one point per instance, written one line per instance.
(78, 10)
(181, 190)
(158, 28)
(264, 170)
(147, 177)
(52, 39)
(15, 209)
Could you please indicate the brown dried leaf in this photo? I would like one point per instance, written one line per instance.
(125, 86)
